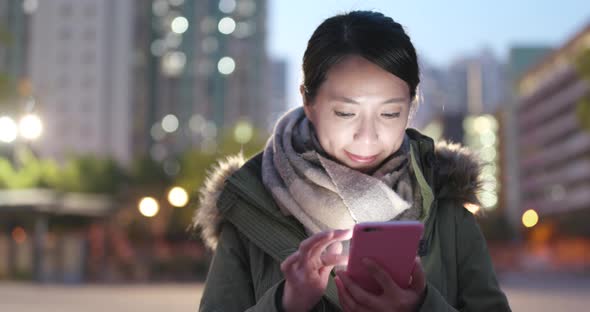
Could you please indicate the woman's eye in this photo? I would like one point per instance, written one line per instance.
(390, 115)
(343, 114)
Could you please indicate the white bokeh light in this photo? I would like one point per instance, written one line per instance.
(149, 207)
(173, 63)
(227, 6)
(31, 127)
(30, 6)
(226, 25)
(8, 129)
(178, 197)
(243, 132)
(170, 123)
(179, 24)
(226, 65)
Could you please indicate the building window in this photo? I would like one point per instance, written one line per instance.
(88, 57)
(64, 34)
(65, 10)
(90, 10)
(89, 34)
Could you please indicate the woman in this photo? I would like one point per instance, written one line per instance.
(279, 223)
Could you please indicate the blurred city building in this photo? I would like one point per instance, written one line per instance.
(80, 58)
(207, 70)
(122, 80)
(554, 147)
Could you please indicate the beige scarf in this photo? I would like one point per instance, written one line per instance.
(324, 194)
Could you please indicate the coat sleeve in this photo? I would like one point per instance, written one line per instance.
(478, 288)
(229, 284)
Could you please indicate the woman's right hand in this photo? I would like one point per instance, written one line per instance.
(307, 270)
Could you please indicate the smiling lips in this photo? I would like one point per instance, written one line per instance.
(361, 159)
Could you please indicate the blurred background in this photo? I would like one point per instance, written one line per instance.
(112, 111)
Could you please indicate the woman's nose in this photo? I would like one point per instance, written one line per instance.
(366, 132)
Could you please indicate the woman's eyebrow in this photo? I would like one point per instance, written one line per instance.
(395, 100)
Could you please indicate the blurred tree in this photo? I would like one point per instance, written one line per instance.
(89, 174)
(8, 89)
(30, 173)
(195, 165)
(147, 172)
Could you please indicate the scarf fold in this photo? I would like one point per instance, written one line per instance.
(323, 194)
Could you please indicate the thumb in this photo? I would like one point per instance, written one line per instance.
(418, 277)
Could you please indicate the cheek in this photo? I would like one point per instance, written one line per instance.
(333, 136)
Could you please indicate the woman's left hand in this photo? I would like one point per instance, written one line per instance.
(393, 298)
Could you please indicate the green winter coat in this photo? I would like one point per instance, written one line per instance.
(239, 219)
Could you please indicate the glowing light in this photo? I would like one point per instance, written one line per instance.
(196, 123)
(30, 6)
(170, 123)
(226, 25)
(149, 207)
(158, 47)
(8, 129)
(473, 208)
(227, 6)
(178, 197)
(157, 132)
(19, 235)
(209, 130)
(179, 24)
(160, 7)
(488, 199)
(173, 63)
(530, 218)
(30, 127)
(226, 65)
(243, 132)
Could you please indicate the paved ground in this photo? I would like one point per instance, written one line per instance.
(526, 293)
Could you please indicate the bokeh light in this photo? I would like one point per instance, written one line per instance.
(148, 207)
(226, 25)
(19, 235)
(170, 123)
(178, 197)
(243, 132)
(530, 218)
(179, 25)
(8, 129)
(226, 65)
(31, 127)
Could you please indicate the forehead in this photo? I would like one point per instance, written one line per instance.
(355, 74)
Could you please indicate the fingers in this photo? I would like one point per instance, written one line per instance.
(343, 296)
(329, 259)
(316, 244)
(359, 296)
(418, 277)
(382, 277)
(289, 264)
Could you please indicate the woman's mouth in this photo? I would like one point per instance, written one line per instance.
(361, 159)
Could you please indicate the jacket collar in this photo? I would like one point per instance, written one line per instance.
(444, 171)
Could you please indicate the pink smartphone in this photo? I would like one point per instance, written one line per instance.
(392, 245)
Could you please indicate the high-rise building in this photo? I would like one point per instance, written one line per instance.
(520, 59)
(81, 72)
(14, 35)
(553, 144)
(208, 70)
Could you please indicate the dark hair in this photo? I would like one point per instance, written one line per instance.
(372, 35)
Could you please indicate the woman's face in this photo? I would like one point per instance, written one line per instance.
(360, 113)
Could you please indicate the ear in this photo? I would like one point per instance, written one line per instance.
(307, 107)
